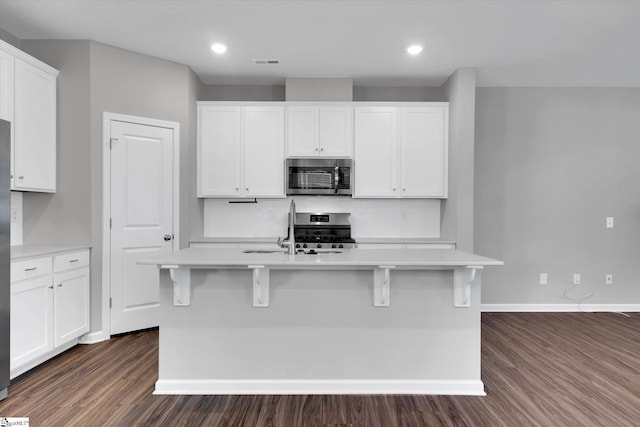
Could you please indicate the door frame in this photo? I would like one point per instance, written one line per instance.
(107, 118)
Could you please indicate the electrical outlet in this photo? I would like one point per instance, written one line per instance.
(609, 222)
(14, 215)
(576, 279)
(608, 279)
(544, 278)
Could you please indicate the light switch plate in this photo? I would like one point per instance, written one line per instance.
(609, 222)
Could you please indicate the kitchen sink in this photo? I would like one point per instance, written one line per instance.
(299, 252)
(264, 251)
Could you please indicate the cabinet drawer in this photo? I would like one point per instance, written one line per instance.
(70, 260)
(30, 268)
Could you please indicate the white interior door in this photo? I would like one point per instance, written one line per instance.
(141, 220)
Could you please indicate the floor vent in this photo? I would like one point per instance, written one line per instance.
(266, 61)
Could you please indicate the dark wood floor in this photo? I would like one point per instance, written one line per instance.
(539, 369)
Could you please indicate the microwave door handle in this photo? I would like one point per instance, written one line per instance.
(337, 178)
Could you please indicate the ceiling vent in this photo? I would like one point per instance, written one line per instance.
(266, 61)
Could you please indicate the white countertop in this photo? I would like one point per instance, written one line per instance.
(348, 258)
(30, 251)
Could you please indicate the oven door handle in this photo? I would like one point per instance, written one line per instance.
(337, 178)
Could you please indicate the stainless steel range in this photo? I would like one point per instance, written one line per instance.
(316, 230)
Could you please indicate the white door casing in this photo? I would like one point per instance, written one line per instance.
(141, 206)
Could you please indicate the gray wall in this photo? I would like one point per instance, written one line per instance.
(65, 217)
(457, 209)
(398, 94)
(191, 220)
(9, 38)
(241, 93)
(360, 93)
(96, 78)
(550, 165)
(126, 82)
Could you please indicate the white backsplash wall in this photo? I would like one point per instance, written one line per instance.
(409, 218)
(16, 218)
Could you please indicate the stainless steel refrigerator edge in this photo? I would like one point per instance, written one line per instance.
(5, 291)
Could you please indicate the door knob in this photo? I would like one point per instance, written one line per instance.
(168, 237)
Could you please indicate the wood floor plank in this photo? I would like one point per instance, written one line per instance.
(539, 369)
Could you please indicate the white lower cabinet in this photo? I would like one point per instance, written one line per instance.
(71, 305)
(49, 307)
(31, 320)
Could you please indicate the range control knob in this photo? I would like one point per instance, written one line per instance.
(304, 245)
(297, 245)
(333, 246)
(341, 245)
(319, 245)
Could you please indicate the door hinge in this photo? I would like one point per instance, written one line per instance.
(110, 302)
(111, 142)
(110, 223)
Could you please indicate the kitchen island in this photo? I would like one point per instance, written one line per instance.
(351, 321)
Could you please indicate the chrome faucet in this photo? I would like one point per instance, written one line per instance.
(290, 241)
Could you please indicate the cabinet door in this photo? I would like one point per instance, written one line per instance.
(375, 152)
(219, 151)
(31, 320)
(336, 131)
(35, 128)
(423, 152)
(6, 86)
(303, 131)
(263, 166)
(71, 305)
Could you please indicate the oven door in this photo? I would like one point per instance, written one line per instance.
(319, 177)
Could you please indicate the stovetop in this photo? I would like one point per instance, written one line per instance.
(323, 230)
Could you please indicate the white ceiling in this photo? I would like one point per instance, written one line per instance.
(509, 42)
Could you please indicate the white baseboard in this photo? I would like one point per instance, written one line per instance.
(587, 308)
(93, 338)
(227, 387)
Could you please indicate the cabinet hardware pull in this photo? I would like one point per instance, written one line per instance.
(74, 260)
(21, 177)
(51, 287)
(59, 285)
(31, 269)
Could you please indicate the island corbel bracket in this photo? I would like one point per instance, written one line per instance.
(463, 278)
(260, 285)
(181, 278)
(382, 285)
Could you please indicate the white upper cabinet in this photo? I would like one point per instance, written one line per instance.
(320, 131)
(423, 152)
(376, 151)
(263, 164)
(6, 86)
(219, 151)
(401, 151)
(28, 101)
(240, 151)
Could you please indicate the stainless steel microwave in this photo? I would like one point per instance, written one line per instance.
(320, 176)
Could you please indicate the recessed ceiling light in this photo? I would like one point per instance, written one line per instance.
(414, 49)
(218, 48)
